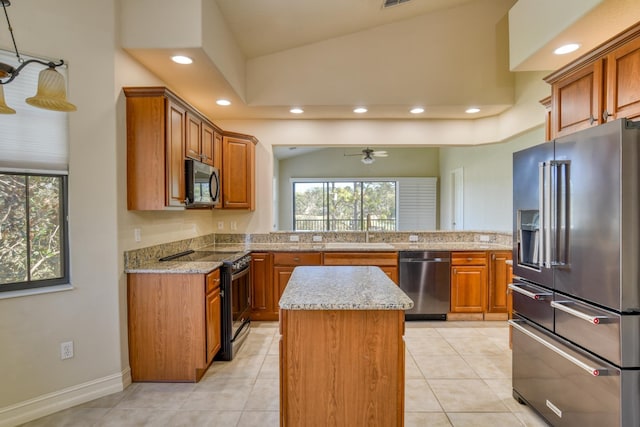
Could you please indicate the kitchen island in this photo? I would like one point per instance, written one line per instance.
(342, 348)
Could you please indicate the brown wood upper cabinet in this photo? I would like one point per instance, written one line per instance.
(238, 171)
(155, 149)
(199, 139)
(163, 131)
(599, 86)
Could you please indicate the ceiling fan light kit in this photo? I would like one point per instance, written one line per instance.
(368, 155)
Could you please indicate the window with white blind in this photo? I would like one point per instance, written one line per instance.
(417, 203)
(33, 188)
(386, 204)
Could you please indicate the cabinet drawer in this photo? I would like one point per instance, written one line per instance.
(213, 280)
(297, 258)
(361, 258)
(468, 258)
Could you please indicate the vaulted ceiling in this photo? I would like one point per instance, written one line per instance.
(330, 56)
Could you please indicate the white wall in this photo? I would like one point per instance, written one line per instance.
(488, 181)
(32, 327)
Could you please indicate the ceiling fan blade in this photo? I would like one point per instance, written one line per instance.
(380, 154)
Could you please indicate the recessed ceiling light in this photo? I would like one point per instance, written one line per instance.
(296, 110)
(180, 59)
(472, 110)
(567, 48)
(223, 102)
(359, 110)
(416, 110)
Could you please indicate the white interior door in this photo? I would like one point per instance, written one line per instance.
(457, 199)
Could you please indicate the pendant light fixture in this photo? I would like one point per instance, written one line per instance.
(51, 93)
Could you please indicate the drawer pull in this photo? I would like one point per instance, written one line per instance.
(596, 372)
(594, 320)
(539, 296)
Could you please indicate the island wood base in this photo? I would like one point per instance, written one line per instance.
(342, 368)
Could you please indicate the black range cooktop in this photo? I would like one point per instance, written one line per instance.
(205, 256)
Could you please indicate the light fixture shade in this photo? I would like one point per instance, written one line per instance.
(367, 160)
(52, 94)
(4, 108)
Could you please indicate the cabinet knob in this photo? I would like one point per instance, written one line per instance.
(592, 120)
(605, 115)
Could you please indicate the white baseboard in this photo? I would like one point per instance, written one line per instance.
(63, 399)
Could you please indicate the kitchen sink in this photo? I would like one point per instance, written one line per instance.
(357, 245)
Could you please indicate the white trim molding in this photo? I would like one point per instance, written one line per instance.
(50, 403)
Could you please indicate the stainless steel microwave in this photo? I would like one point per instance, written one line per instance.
(202, 185)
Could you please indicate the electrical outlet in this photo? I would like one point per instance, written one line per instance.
(413, 238)
(66, 350)
(136, 234)
(220, 225)
(317, 238)
(484, 238)
(294, 238)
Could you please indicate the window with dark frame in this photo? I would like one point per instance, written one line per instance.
(344, 205)
(33, 230)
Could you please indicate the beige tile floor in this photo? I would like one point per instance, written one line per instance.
(457, 374)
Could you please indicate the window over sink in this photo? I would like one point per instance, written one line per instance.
(359, 204)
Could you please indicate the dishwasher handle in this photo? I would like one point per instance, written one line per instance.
(424, 260)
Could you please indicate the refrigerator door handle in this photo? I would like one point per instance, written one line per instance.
(544, 184)
(560, 220)
(533, 295)
(594, 320)
(594, 371)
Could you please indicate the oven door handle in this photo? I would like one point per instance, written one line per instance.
(596, 372)
(239, 274)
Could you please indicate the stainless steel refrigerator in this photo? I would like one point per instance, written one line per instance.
(576, 290)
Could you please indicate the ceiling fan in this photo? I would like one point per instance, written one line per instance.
(368, 155)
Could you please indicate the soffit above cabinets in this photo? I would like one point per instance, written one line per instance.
(328, 57)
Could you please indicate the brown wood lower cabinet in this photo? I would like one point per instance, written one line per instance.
(283, 265)
(342, 368)
(174, 325)
(468, 285)
(264, 305)
(479, 285)
(499, 279)
(387, 261)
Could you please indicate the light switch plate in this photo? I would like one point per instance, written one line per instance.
(413, 238)
(317, 238)
(294, 238)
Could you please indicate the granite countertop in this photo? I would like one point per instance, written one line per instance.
(364, 247)
(342, 288)
(176, 267)
(200, 267)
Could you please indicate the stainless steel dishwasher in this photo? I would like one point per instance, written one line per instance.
(425, 276)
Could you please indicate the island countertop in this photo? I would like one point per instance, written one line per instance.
(342, 288)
